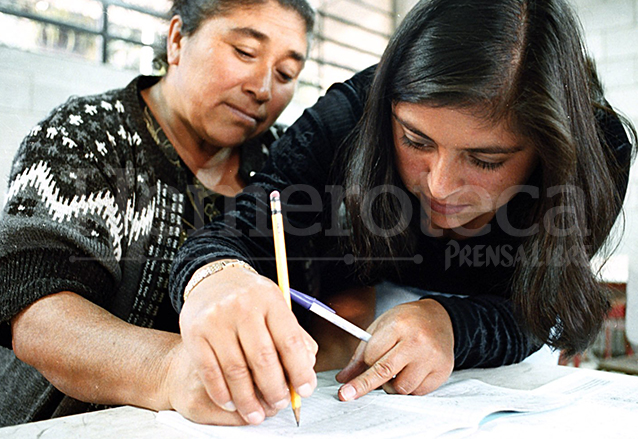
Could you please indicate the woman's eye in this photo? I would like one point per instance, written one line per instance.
(285, 76)
(411, 143)
(490, 166)
(243, 53)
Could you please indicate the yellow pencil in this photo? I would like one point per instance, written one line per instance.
(282, 277)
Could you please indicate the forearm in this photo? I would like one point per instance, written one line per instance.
(486, 332)
(91, 355)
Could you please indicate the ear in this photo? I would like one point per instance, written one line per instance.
(174, 40)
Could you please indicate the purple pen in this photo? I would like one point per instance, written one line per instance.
(324, 311)
(307, 301)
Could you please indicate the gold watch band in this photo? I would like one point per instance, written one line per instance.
(213, 268)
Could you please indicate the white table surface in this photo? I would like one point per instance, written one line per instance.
(134, 423)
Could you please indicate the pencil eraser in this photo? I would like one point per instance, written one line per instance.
(274, 195)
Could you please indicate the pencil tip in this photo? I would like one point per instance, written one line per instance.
(297, 412)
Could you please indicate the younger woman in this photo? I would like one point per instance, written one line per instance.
(479, 163)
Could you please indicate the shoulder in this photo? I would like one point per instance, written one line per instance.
(83, 132)
(357, 87)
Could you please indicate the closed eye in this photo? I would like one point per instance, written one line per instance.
(285, 77)
(490, 166)
(243, 53)
(412, 144)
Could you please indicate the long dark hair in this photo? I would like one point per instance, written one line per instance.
(194, 12)
(521, 61)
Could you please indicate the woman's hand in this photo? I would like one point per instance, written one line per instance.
(244, 341)
(185, 393)
(411, 352)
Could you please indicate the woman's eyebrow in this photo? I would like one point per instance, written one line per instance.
(251, 32)
(495, 149)
(410, 127)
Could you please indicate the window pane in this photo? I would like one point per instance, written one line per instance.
(307, 95)
(366, 17)
(125, 55)
(83, 13)
(347, 57)
(352, 35)
(136, 26)
(310, 72)
(161, 6)
(382, 5)
(385, 5)
(32, 35)
(331, 74)
(368, 41)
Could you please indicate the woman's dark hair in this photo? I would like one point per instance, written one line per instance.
(194, 12)
(521, 62)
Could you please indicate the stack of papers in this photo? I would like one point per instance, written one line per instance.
(602, 405)
(457, 409)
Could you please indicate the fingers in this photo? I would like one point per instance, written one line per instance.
(207, 412)
(296, 350)
(211, 375)
(187, 395)
(263, 362)
(395, 374)
(245, 343)
(404, 356)
(381, 371)
(415, 380)
(355, 367)
(239, 379)
(255, 362)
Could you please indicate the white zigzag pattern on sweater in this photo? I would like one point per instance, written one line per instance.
(140, 223)
(62, 209)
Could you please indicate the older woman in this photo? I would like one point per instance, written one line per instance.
(104, 191)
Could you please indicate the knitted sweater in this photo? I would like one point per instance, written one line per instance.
(98, 204)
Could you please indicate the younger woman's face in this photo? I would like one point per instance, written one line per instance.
(460, 167)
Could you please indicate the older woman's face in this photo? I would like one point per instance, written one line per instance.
(461, 168)
(236, 74)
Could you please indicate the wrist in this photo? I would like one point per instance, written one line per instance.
(170, 374)
(210, 269)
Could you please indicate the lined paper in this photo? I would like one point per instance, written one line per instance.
(458, 406)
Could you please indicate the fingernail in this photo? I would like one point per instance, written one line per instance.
(305, 390)
(229, 407)
(348, 392)
(255, 418)
(281, 404)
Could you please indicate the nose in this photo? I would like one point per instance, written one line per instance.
(259, 84)
(444, 177)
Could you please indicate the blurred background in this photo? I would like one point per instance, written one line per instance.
(52, 49)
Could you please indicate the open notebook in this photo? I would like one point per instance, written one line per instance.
(458, 407)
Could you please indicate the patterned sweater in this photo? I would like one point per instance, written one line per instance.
(98, 204)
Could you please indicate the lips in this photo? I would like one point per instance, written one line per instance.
(446, 208)
(250, 116)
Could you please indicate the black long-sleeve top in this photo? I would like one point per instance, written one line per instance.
(475, 272)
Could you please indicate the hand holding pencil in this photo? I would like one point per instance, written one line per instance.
(246, 344)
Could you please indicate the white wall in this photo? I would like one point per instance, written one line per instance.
(31, 85)
(611, 29)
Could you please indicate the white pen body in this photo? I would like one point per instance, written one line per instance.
(340, 322)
